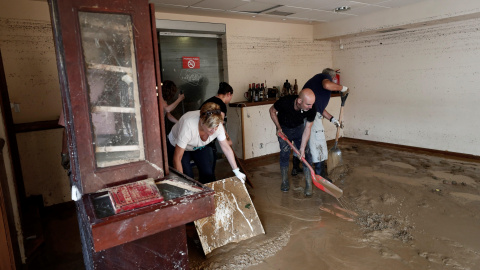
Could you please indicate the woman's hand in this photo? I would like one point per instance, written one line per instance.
(240, 175)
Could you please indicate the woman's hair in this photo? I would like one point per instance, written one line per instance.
(211, 115)
(224, 88)
(168, 90)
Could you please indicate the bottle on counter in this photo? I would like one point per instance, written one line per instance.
(265, 91)
(286, 88)
(257, 93)
(248, 94)
(295, 88)
(262, 92)
(251, 92)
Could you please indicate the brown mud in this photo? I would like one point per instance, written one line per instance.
(400, 210)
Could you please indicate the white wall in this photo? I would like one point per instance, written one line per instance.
(415, 87)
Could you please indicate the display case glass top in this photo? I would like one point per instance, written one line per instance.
(112, 87)
(108, 83)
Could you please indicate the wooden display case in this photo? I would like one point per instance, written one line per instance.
(108, 75)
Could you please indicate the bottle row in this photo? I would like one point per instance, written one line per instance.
(259, 92)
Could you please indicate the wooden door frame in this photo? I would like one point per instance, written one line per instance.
(13, 155)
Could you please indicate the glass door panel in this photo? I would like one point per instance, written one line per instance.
(112, 87)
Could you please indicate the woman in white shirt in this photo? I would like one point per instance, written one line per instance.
(188, 138)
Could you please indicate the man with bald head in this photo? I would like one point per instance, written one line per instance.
(289, 113)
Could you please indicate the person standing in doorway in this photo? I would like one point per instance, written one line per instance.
(169, 89)
(322, 86)
(289, 114)
(223, 97)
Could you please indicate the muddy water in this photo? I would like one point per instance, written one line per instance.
(399, 211)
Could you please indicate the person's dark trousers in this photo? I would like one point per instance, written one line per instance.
(296, 166)
(213, 148)
(295, 135)
(203, 159)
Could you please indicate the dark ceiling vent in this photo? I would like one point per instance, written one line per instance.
(391, 30)
(279, 13)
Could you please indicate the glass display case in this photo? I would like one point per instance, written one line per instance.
(108, 76)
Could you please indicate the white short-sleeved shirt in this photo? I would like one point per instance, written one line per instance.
(185, 133)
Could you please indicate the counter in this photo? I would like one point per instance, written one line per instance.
(251, 129)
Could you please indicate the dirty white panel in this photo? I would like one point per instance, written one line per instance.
(259, 131)
(234, 129)
(235, 217)
(415, 87)
(41, 165)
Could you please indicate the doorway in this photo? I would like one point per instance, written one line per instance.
(203, 43)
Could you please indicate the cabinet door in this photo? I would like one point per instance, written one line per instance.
(106, 68)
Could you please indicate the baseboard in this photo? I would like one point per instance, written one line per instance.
(274, 158)
(262, 160)
(413, 149)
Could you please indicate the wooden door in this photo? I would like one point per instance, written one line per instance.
(107, 77)
(6, 251)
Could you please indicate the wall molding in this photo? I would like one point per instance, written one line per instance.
(413, 149)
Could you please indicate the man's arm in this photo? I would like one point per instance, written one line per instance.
(327, 115)
(330, 118)
(331, 86)
(273, 115)
(305, 137)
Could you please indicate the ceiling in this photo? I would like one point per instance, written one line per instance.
(301, 11)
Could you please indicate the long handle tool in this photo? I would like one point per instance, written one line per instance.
(317, 180)
(334, 154)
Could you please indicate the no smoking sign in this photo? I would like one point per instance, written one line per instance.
(190, 62)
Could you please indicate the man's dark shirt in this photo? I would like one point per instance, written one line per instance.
(322, 96)
(287, 115)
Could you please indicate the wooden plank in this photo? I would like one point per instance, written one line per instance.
(235, 217)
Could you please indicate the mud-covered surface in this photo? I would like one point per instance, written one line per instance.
(400, 210)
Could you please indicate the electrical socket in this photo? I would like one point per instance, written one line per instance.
(366, 132)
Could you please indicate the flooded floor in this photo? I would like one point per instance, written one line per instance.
(399, 210)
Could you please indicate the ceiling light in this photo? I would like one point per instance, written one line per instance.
(341, 9)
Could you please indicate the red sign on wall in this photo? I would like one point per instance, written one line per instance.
(190, 62)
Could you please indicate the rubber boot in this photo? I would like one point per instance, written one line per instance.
(321, 169)
(324, 169)
(285, 184)
(296, 166)
(318, 168)
(308, 182)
